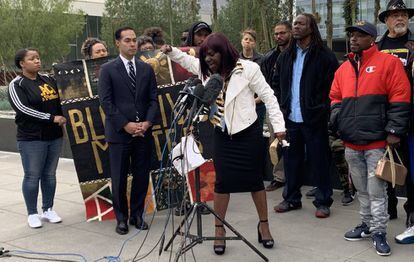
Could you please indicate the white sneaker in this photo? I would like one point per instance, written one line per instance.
(34, 221)
(51, 216)
(406, 237)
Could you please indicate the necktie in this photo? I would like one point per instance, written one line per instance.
(131, 73)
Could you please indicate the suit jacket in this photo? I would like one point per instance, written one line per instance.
(121, 102)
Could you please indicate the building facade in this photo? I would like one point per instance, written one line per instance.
(366, 12)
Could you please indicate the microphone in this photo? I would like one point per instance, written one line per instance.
(198, 91)
(212, 89)
(211, 92)
(190, 100)
(187, 89)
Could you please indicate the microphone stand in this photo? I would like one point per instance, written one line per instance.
(195, 212)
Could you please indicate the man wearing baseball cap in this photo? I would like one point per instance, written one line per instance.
(370, 108)
(399, 41)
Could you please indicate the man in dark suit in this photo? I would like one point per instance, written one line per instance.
(128, 95)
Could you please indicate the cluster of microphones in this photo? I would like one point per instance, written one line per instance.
(197, 98)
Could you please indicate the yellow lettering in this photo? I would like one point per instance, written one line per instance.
(170, 101)
(156, 127)
(155, 134)
(91, 126)
(78, 124)
(95, 144)
(102, 115)
(162, 110)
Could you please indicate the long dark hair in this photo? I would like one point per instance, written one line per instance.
(218, 43)
(316, 43)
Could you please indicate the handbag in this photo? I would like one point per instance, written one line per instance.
(388, 170)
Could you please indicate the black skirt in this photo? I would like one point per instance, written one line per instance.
(239, 160)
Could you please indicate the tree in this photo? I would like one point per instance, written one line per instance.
(214, 14)
(265, 29)
(351, 11)
(314, 13)
(48, 25)
(377, 8)
(261, 16)
(194, 7)
(171, 15)
(313, 7)
(329, 25)
(290, 10)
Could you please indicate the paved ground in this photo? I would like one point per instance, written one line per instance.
(299, 235)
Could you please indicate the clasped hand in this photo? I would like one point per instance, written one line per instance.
(137, 128)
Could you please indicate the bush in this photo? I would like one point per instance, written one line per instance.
(4, 102)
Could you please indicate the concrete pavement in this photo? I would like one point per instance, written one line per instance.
(298, 234)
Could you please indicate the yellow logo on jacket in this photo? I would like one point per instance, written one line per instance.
(47, 92)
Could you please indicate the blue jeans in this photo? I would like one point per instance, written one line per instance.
(372, 191)
(39, 159)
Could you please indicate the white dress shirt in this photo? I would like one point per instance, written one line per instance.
(126, 61)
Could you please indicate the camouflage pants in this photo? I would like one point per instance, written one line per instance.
(338, 158)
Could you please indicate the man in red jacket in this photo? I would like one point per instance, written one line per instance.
(370, 108)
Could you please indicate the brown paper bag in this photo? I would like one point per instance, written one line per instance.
(388, 170)
(273, 152)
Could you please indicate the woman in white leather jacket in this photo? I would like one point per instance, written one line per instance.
(238, 147)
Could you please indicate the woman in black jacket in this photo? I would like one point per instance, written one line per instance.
(39, 122)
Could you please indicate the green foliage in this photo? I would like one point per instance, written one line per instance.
(47, 25)
(4, 102)
(351, 11)
(141, 14)
(237, 13)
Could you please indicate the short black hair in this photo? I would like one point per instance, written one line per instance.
(21, 54)
(120, 30)
(285, 23)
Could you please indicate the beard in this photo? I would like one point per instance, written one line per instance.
(282, 43)
(400, 29)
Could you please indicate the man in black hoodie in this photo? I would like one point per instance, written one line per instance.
(197, 33)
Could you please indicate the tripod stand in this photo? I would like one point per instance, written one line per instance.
(195, 212)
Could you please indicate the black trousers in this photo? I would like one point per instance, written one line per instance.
(134, 156)
(316, 141)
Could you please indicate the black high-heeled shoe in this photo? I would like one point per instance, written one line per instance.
(267, 243)
(219, 249)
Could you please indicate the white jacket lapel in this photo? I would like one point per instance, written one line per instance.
(237, 84)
